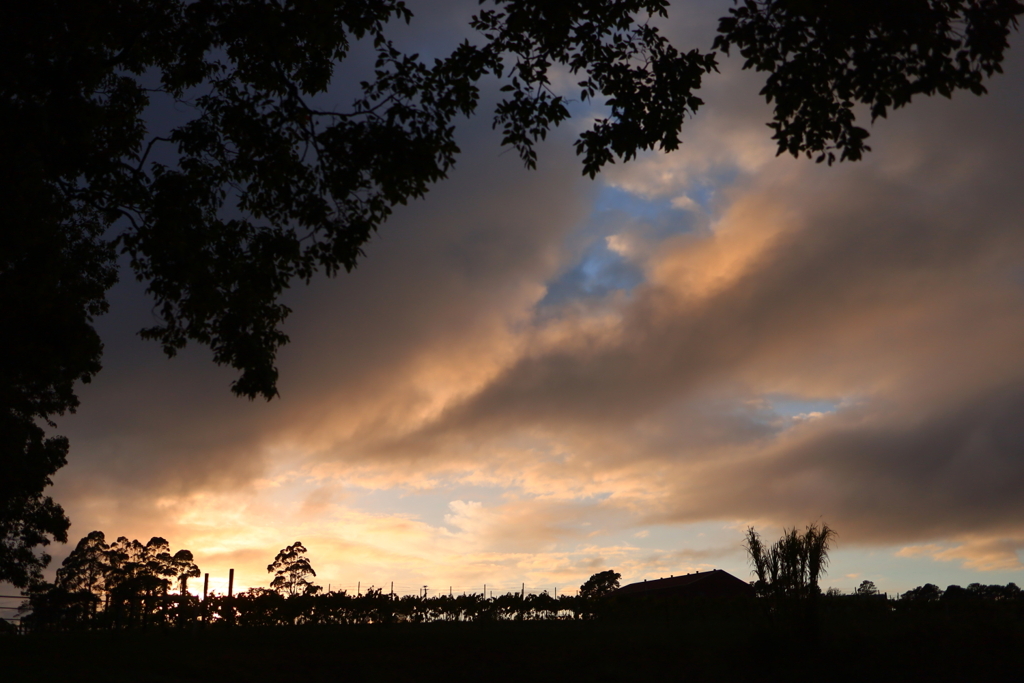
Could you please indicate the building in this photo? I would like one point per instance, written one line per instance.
(713, 584)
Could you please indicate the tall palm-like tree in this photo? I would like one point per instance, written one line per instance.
(758, 556)
(818, 541)
(792, 566)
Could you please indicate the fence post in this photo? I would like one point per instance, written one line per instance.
(203, 616)
(231, 601)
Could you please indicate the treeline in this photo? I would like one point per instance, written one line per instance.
(58, 610)
(975, 601)
(975, 592)
(128, 584)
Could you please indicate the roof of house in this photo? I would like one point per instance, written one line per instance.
(682, 582)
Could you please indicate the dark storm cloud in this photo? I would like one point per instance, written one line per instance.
(442, 273)
(883, 479)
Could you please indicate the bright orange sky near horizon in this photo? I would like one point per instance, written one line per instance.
(534, 376)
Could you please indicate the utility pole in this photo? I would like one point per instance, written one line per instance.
(231, 582)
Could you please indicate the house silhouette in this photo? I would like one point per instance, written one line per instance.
(716, 583)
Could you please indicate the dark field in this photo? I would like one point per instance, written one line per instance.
(932, 646)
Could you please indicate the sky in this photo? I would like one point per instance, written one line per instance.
(534, 376)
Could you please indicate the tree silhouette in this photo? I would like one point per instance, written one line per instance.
(185, 568)
(291, 569)
(926, 593)
(825, 57)
(791, 567)
(140, 576)
(262, 187)
(866, 588)
(126, 580)
(87, 568)
(600, 584)
(28, 519)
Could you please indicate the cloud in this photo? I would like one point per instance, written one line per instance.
(984, 554)
(890, 290)
(892, 286)
(426, 317)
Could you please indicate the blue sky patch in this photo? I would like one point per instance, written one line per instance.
(788, 406)
(599, 271)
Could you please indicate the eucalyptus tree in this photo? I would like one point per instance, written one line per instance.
(124, 582)
(87, 567)
(291, 570)
(139, 577)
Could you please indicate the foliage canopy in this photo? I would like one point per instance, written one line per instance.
(600, 584)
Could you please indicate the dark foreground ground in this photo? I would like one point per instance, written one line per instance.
(882, 648)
